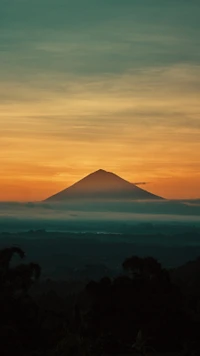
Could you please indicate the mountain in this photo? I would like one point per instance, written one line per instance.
(102, 185)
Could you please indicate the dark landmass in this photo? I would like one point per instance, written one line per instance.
(132, 290)
(143, 308)
(102, 185)
(66, 254)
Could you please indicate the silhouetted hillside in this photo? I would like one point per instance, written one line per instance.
(188, 276)
(139, 311)
(103, 185)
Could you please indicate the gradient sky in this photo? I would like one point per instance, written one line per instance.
(89, 84)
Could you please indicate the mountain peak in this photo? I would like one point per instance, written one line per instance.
(100, 171)
(103, 185)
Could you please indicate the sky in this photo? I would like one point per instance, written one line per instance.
(90, 84)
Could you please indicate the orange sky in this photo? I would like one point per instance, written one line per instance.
(35, 190)
(110, 85)
(54, 140)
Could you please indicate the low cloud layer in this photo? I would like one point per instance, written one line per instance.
(16, 216)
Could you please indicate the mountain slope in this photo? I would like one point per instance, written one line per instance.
(102, 185)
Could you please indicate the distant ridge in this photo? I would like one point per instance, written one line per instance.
(102, 185)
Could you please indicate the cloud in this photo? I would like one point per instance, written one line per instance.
(153, 108)
(89, 84)
(141, 183)
(95, 38)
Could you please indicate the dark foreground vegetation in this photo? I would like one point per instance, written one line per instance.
(145, 310)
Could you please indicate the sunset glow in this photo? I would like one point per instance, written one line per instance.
(121, 94)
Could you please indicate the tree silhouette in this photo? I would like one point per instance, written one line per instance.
(146, 300)
(23, 276)
(147, 267)
(5, 259)
(17, 310)
(16, 281)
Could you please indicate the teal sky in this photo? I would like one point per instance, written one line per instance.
(123, 75)
(93, 37)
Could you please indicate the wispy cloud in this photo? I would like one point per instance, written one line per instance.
(88, 84)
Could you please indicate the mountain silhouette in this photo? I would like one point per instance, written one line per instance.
(104, 186)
